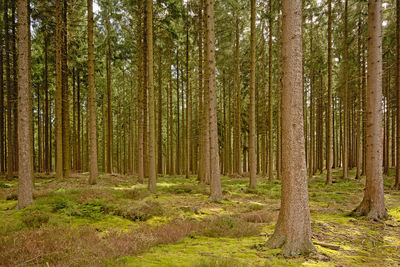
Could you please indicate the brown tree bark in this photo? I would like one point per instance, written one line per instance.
(237, 169)
(216, 191)
(109, 153)
(150, 83)
(140, 116)
(270, 115)
(293, 229)
(160, 115)
(252, 134)
(397, 181)
(373, 203)
(25, 142)
(58, 107)
(329, 104)
(93, 169)
(345, 152)
(2, 108)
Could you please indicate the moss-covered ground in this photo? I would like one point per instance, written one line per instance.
(118, 223)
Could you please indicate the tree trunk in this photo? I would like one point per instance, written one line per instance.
(397, 181)
(152, 136)
(216, 192)
(58, 108)
(140, 116)
(345, 152)
(109, 160)
(270, 118)
(237, 120)
(2, 109)
(93, 169)
(293, 229)
(373, 205)
(329, 104)
(25, 144)
(252, 135)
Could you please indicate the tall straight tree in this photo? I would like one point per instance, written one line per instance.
(58, 108)
(150, 83)
(397, 182)
(252, 134)
(216, 192)
(345, 152)
(237, 116)
(109, 154)
(2, 128)
(25, 142)
(270, 141)
(93, 169)
(329, 104)
(293, 229)
(373, 203)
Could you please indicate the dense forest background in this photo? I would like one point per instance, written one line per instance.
(217, 106)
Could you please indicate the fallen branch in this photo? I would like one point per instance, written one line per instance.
(326, 245)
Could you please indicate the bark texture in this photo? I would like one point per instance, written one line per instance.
(373, 203)
(293, 229)
(25, 139)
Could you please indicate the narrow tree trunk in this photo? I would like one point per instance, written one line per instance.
(93, 169)
(237, 169)
(25, 144)
(152, 134)
(252, 134)
(140, 117)
(329, 104)
(58, 107)
(293, 229)
(397, 181)
(270, 118)
(159, 139)
(373, 203)
(345, 152)
(109, 159)
(2, 108)
(359, 98)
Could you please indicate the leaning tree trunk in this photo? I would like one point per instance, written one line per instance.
(25, 140)
(293, 229)
(373, 203)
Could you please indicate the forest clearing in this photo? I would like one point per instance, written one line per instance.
(118, 222)
(199, 133)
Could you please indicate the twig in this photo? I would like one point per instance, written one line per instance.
(326, 245)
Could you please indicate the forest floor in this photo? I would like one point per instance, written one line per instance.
(118, 223)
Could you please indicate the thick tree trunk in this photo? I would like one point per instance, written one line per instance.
(216, 192)
(293, 229)
(25, 144)
(373, 203)
(252, 134)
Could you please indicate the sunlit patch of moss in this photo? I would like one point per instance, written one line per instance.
(158, 220)
(395, 213)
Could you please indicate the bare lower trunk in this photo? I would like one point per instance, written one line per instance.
(293, 229)
(25, 144)
(373, 205)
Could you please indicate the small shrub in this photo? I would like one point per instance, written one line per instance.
(4, 185)
(227, 226)
(135, 194)
(35, 218)
(141, 211)
(12, 196)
